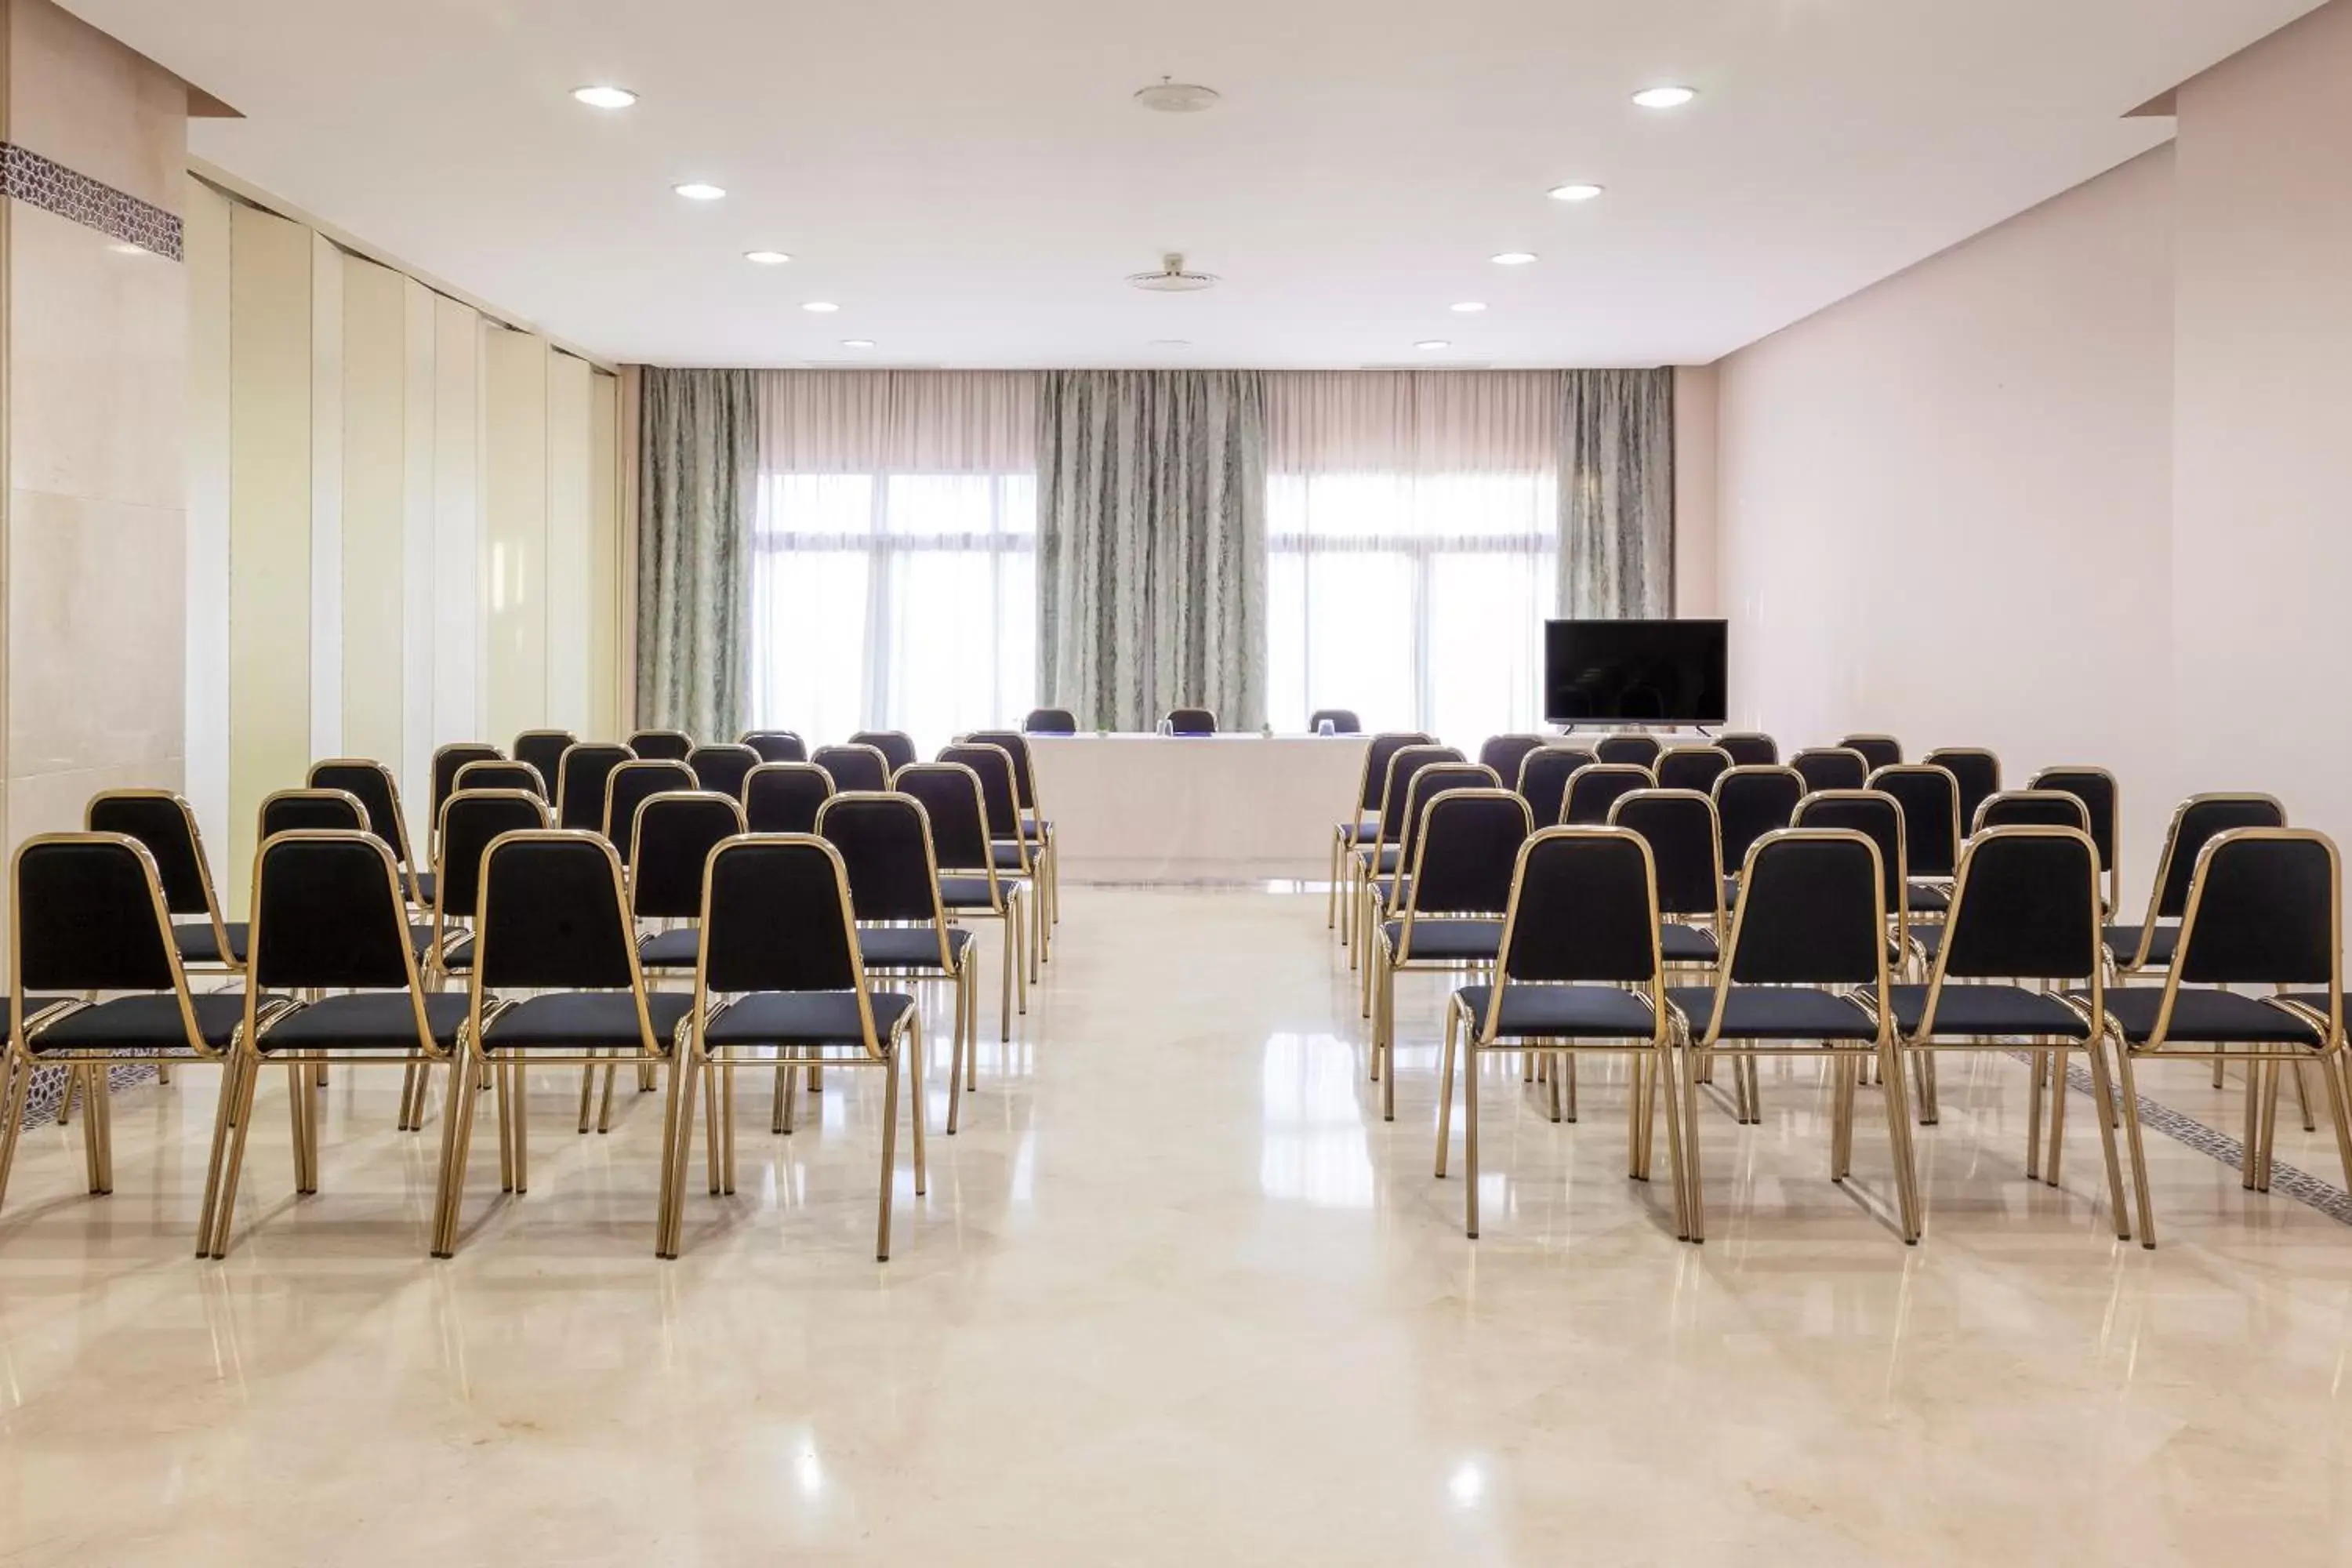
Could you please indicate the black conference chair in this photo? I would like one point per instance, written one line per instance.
(1014, 855)
(662, 745)
(784, 798)
(2148, 946)
(1453, 905)
(1878, 816)
(2033, 809)
(1977, 770)
(166, 824)
(1051, 722)
(1636, 750)
(1036, 828)
(1877, 751)
(722, 769)
(373, 785)
(1686, 860)
(1503, 754)
(629, 787)
(1751, 800)
(471, 821)
(2025, 907)
(1831, 767)
(859, 768)
(777, 745)
(897, 747)
(329, 915)
(89, 920)
(1361, 826)
(952, 796)
(1381, 856)
(1384, 892)
(1807, 940)
(447, 760)
(1343, 721)
(580, 783)
(553, 922)
(501, 775)
(1578, 972)
(2264, 908)
(675, 834)
(1190, 721)
(1592, 791)
(1543, 780)
(309, 810)
(2098, 790)
(1749, 750)
(1932, 829)
(780, 951)
(1692, 767)
(544, 749)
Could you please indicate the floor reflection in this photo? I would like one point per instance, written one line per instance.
(1314, 1148)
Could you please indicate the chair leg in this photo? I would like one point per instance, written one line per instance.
(2105, 1115)
(1924, 1068)
(667, 1218)
(1007, 961)
(505, 1127)
(232, 1166)
(723, 1090)
(587, 1093)
(1846, 1072)
(917, 1105)
(1667, 1073)
(1568, 1068)
(19, 1080)
(1019, 968)
(2057, 1117)
(457, 1133)
(1331, 898)
(1470, 1143)
(604, 1113)
(711, 1133)
(889, 1154)
(1898, 1132)
(1695, 1198)
(233, 1073)
(1384, 1040)
(2303, 1096)
(2040, 1081)
(1445, 1085)
(776, 1106)
(1637, 1089)
(2134, 1140)
(99, 1119)
(956, 1056)
(66, 1099)
(521, 1071)
(164, 1077)
(2332, 1083)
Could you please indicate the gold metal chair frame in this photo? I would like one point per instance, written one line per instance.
(416, 1090)
(1363, 861)
(2114, 863)
(1745, 1097)
(461, 786)
(1599, 771)
(1375, 912)
(1033, 871)
(433, 772)
(1003, 904)
(403, 854)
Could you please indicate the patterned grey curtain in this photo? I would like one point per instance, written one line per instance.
(699, 478)
(1152, 545)
(1616, 493)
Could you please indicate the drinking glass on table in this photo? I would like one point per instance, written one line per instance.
(1326, 727)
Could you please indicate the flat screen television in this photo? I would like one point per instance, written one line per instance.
(1634, 672)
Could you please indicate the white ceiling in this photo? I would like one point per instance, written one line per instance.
(970, 180)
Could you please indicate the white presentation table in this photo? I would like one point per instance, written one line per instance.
(1208, 808)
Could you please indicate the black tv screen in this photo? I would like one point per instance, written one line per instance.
(1634, 672)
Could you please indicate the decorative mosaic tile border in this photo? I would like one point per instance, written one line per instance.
(51, 186)
(49, 1089)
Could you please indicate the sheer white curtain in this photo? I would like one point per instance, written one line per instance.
(1412, 521)
(894, 562)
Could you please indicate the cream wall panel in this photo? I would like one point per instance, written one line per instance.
(604, 555)
(375, 510)
(204, 241)
(419, 380)
(326, 498)
(570, 542)
(270, 532)
(456, 521)
(515, 527)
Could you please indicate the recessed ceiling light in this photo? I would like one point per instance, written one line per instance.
(1469, 307)
(1432, 344)
(696, 191)
(1664, 97)
(767, 258)
(857, 342)
(821, 307)
(605, 96)
(1512, 257)
(1574, 190)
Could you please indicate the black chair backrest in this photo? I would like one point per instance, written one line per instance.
(449, 759)
(2034, 808)
(1191, 721)
(2197, 822)
(1543, 779)
(783, 797)
(1877, 817)
(1751, 749)
(1932, 824)
(329, 911)
(1831, 767)
(372, 783)
(1592, 791)
(1977, 770)
(2024, 907)
(629, 787)
(500, 775)
(1403, 764)
(662, 745)
(544, 749)
(300, 810)
(675, 834)
(1343, 721)
(1016, 745)
(90, 917)
(1685, 849)
(1427, 785)
(950, 796)
(1503, 754)
(885, 842)
(897, 747)
(777, 745)
(1692, 767)
(722, 769)
(1469, 849)
(2095, 788)
(1813, 912)
(1377, 752)
(1051, 722)
(470, 820)
(776, 917)
(1878, 751)
(860, 768)
(999, 787)
(1583, 907)
(167, 825)
(1641, 751)
(580, 782)
(2265, 908)
(552, 916)
(1752, 800)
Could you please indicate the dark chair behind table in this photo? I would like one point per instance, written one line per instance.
(1050, 721)
(1343, 721)
(1190, 721)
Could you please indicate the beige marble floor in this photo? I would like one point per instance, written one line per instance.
(1177, 1295)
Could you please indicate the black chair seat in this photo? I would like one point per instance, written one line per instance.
(427, 890)
(1929, 898)
(458, 955)
(144, 1024)
(198, 945)
(2203, 1016)
(2124, 942)
(803, 1018)
(1007, 854)
(1687, 944)
(671, 949)
(908, 947)
(1970, 1009)
(376, 1020)
(1447, 942)
(1366, 832)
(1390, 890)
(580, 1020)
(1774, 1013)
(1929, 938)
(1563, 1012)
(970, 892)
(2314, 1000)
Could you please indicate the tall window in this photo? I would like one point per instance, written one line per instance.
(1412, 537)
(894, 581)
